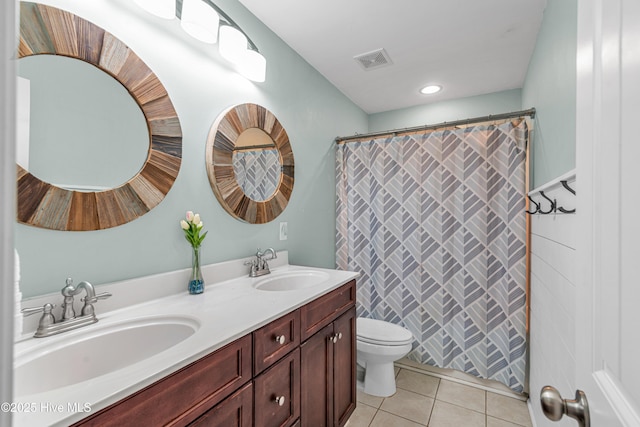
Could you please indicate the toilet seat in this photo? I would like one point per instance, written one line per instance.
(379, 332)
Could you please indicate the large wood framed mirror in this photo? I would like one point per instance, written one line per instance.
(250, 163)
(45, 30)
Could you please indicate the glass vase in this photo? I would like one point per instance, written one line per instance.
(196, 283)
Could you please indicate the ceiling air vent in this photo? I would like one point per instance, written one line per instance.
(374, 59)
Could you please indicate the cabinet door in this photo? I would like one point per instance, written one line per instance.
(277, 393)
(344, 367)
(235, 411)
(316, 376)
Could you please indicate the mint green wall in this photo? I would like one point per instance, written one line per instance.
(201, 86)
(550, 87)
(456, 109)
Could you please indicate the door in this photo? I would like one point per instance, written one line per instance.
(608, 204)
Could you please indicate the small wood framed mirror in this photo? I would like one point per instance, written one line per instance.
(250, 163)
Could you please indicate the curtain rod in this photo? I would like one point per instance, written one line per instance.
(531, 112)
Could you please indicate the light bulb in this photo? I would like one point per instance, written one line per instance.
(430, 90)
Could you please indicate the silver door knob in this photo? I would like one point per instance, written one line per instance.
(280, 339)
(279, 400)
(334, 339)
(554, 406)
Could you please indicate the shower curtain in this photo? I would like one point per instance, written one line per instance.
(435, 223)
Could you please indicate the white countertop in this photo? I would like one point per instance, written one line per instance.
(226, 311)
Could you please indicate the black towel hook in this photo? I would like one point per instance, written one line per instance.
(552, 202)
(572, 191)
(535, 204)
(565, 184)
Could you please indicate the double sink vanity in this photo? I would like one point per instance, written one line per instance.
(276, 350)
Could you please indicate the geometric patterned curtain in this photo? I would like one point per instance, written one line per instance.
(435, 224)
(257, 172)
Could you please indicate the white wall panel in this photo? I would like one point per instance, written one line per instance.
(552, 335)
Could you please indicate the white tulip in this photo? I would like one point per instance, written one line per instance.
(189, 215)
(184, 225)
(200, 224)
(196, 219)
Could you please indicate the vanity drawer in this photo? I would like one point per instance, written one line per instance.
(274, 340)
(321, 312)
(235, 411)
(183, 396)
(281, 381)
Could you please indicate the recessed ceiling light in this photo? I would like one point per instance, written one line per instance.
(431, 89)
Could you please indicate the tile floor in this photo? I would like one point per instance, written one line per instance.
(425, 400)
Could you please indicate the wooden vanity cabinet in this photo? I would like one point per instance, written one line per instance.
(298, 370)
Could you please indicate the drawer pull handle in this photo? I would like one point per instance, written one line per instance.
(280, 339)
(279, 400)
(339, 335)
(334, 339)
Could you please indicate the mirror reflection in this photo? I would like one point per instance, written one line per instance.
(256, 164)
(85, 131)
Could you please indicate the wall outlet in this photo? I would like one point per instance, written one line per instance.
(283, 231)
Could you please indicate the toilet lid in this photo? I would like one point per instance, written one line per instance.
(380, 332)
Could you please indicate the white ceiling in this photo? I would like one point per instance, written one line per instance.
(470, 47)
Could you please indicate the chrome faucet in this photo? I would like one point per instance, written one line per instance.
(259, 266)
(68, 321)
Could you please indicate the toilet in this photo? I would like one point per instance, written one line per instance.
(378, 345)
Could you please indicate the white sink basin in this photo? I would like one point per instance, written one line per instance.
(291, 280)
(84, 356)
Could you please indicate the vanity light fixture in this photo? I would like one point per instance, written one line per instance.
(205, 21)
(431, 89)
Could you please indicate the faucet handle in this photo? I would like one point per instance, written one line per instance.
(95, 298)
(46, 309)
(87, 309)
(254, 265)
(47, 318)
